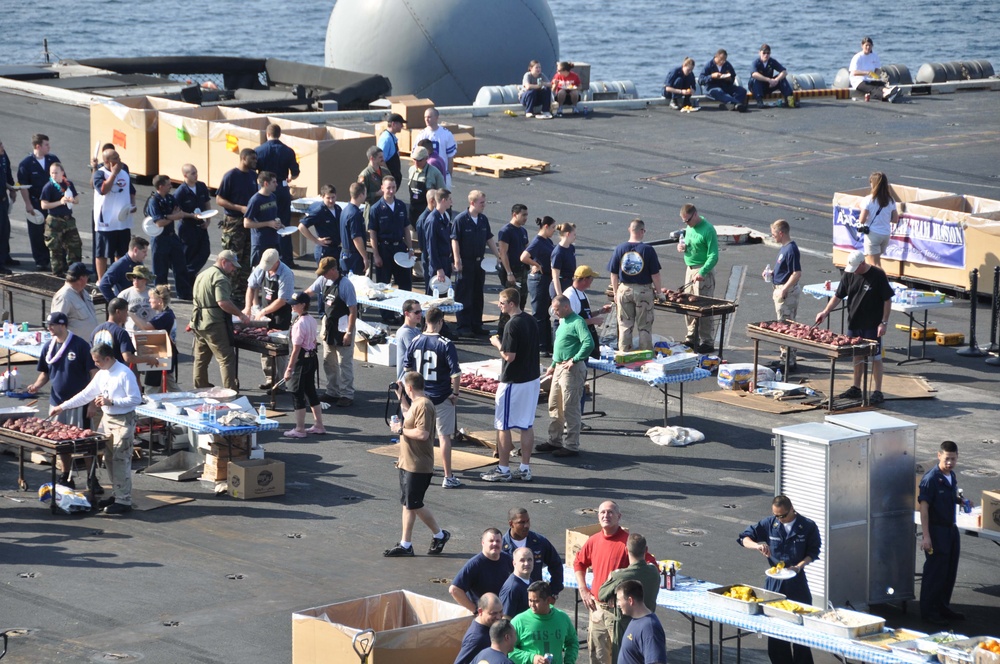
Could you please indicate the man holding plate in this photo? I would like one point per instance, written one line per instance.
(33, 174)
(788, 538)
(192, 196)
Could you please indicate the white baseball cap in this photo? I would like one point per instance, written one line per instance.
(854, 260)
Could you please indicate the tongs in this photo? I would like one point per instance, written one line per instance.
(836, 614)
(681, 289)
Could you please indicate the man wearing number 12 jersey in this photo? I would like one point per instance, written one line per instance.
(436, 359)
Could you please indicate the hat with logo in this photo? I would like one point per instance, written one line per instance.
(301, 298)
(854, 261)
(584, 271)
(57, 318)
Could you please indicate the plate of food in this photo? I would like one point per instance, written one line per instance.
(207, 214)
(287, 230)
(781, 572)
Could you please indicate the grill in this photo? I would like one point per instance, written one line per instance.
(50, 449)
(262, 346)
(701, 307)
(34, 283)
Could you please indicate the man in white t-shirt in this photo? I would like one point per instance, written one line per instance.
(865, 72)
(443, 140)
(114, 203)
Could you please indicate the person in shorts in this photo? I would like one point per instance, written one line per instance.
(878, 217)
(416, 468)
(517, 396)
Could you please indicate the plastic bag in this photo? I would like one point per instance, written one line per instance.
(68, 500)
(674, 436)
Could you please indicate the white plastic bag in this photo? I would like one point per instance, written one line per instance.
(674, 436)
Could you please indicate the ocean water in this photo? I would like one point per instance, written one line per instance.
(639, 40)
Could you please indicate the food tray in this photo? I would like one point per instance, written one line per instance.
(17, 412)
(781, 614)
(159, 398)
(886, 639)
(960, 651)
(858, 624)
(916, 648)
(715, 597)
(178, 407)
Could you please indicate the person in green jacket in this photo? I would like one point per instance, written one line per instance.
(544, 630)
(700, 246)
(569, 375)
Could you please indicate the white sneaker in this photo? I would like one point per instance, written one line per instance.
(496, 475)
(525, 475)
(451, 482)
(545, 116)
(529, 114)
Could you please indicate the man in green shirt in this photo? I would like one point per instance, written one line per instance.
(638, 570)
(212, 311)
(544, 630)
(700, 247)
(569, 375)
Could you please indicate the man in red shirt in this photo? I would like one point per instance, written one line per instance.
(604, 552)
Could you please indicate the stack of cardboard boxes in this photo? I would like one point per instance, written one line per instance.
(222, 449)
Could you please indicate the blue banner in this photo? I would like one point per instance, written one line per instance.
(915, 239)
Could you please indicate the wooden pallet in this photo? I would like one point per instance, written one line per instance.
(501, 165)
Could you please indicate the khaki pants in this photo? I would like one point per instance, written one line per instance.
(118, 454)
(701, 330)
(599, 631)
(635, 315)
(564, 404)
(338, 365)
(786, 310)
(214, 343)
(274, 367)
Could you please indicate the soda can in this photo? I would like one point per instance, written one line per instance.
(828, 284)
(548, 658)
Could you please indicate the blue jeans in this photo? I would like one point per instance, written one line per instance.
(736, 96)
(540, 97)
(538, 291)
(760, 89)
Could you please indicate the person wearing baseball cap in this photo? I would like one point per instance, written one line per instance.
(868, 294)
(389, 145)
(270, 288)
(302, 366)
(212, 313)
(340, 316)
(583, 278)
(421, 178)
(65, 361)
(74, 300)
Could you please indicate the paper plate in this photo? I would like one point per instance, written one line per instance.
(207, 214)
(404, 259)
(442, 286)
(782, 575)
(124, 213)
(152, 230)
(288, 230)
(489, 263)
(19, 187)
(37, 218)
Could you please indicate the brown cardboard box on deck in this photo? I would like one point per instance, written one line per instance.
(408, 627)
(991, 510)
(130, 123)
(328, 155)
(184, 134)
(465, 138)
(228, 137)
(154, 343)
(256, 478)
(412, 110)
(360, 348)
(576, 538)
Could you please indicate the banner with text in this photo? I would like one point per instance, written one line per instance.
(915, 239)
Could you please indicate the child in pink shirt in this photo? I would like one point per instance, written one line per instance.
(301, 372)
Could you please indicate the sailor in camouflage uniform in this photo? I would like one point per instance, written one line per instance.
(237, 186)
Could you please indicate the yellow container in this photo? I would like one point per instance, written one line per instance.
(949, 338)
(919, 334)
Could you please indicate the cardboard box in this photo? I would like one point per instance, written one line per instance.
(383, 355)
(184, 134)
(412, 110)
(466, 144)
(227, 138)
(576, 538)
(408, 628)
(328, 155)
(154, 343)
(256, 478)
(991, 510)
(130, 123)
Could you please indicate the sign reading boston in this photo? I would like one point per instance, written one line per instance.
(915, 239)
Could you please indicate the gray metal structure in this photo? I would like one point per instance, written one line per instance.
(854, 476)
(444, 50)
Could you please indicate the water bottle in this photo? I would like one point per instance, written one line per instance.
(778, 376)
(768, 274)
(451, 293)
(3, 382)
(12, 385)
(262, 413)
(212, 414)
(394, 420)
(436, 291)
(966, 504)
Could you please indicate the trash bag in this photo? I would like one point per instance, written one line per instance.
(674, 436)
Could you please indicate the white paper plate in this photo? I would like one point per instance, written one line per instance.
(37, 218)
(152, 230)
(489, 263)
(404, 259)
(442, 286)
(124, 213)
(207, 214)
(19, 187)
(288, 230)
(782, 575)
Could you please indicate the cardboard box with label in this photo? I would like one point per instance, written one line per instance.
(184, 134)
(227, 138)
(130, 123)
(154, 343)
(256, 478)
(576, 538)
(991, 510)
(408, 628)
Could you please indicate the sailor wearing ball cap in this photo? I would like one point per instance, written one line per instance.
(271, 287)
(212, 315)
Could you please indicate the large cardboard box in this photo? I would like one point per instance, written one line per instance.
(328, 155)
(184, 134)
(412, 110)
(256, 478)
(383, 354)
(409, 628)
(130, 123)
(155, 343)
(227, 138)
(576, 538)
(991, 510)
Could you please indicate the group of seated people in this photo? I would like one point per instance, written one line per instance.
(537, 91)
(767, 76)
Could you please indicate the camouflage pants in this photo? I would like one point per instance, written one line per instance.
(237, 239)
(63, 242)
(635, 315)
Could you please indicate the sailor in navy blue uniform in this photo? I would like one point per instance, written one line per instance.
(938, 497)
(321, 224)
(470, 236)
(786, 536)
(33, 171)
(168, 252)
(389, 232)
(6, 184)
(519, 535)
(278, 158)
(192, 196)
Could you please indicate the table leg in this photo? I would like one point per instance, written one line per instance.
(756, 356)
(693, 625)
(55, 461)
(722, 334)
(682, 402)
(833, 372)
(865, 400)
(666, 406)
(923, 342)
(711, 643)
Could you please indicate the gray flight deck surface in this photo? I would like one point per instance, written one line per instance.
(155, 586)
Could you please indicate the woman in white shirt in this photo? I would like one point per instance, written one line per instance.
(878, 216)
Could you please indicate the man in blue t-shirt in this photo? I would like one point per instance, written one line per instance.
(115, 278)
(436, 359)
(168, 252)
(353, 236)
(66, 363)
(278, 158)
(635, 280)
(321, 225)
(488, 612)
(261, 217)
(785, 278)
(503, 640)
(112, 333)
(192, 196)
(644, 641)
(484, 573)
(512, 240)
(439, 261)
(233, 195)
